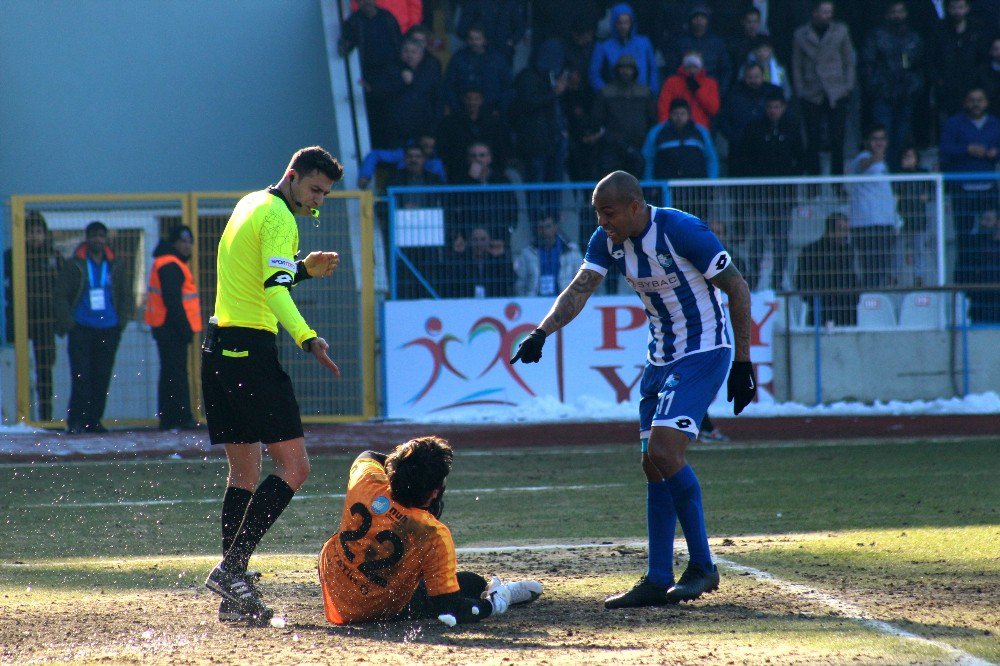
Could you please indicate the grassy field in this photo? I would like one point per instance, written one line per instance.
(819, 543)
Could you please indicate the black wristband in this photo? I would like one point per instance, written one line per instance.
(301, 273)
(307, 344)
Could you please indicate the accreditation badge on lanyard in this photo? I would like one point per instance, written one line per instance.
(97, 300)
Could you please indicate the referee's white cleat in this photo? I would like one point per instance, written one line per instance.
(503, 595)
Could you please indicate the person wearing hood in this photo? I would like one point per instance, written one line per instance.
(712, 48)
(692, 84)
(173, 310)
(93, 303)
(625, 40)
(625, 110)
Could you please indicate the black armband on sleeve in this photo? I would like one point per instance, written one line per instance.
(280, 279)
(380, 458)
(300, 272)
(465, 609)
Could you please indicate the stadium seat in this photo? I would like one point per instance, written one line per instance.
(875, 310)
(922, 309)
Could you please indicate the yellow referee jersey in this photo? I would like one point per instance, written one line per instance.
(256, 267)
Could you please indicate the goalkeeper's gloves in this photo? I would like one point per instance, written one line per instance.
(741, 387)
(530, 349)
(504, 595)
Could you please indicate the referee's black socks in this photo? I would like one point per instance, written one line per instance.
(266, 504)
(234, 507)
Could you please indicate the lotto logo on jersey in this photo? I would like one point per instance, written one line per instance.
(618, 254)
(380, 505)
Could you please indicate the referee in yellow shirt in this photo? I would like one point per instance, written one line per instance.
(248, 397)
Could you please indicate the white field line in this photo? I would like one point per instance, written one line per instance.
(216, 500)
(519, 451)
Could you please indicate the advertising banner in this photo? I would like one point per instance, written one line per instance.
(443, 356)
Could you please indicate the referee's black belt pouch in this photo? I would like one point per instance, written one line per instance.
(242, 338)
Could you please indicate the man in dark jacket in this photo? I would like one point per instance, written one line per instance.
(743, 104)
(679, 148)
(409, 94)
(892, 62)
(479, 66)
(93, 303)
(712, 47)
(828, 264)
(962, 43)
(625, 109)
(471, 123)
(173, 310)
(771, 147)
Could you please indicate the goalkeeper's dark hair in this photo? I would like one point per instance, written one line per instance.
(316, 158)
(417, 468)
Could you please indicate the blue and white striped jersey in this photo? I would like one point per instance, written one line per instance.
(668, 265)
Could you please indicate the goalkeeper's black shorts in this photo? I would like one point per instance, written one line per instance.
(247, 394)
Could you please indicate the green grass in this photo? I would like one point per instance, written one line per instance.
(888, 525)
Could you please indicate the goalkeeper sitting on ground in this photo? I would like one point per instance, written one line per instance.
(393, 558)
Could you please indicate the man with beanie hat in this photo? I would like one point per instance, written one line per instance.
(93, 303)
(173, 310)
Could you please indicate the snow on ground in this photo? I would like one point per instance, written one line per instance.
(548, 409)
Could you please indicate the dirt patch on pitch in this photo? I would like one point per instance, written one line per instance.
(745, 622)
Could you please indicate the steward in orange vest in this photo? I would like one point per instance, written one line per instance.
(173, 310)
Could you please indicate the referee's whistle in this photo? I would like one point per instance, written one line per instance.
(314, 212)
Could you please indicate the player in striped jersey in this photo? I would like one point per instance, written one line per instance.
(677, 267)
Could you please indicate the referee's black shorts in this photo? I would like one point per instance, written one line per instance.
(248, 396)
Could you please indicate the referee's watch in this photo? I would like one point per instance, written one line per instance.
(307, 344)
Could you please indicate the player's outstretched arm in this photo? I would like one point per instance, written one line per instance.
(567, 306)
(741, 387)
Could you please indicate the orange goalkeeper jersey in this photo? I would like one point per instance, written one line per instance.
(370, 569)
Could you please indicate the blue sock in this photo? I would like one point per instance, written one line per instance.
(686, 492)
(661, 519)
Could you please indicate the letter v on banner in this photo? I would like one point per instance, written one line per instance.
(623, 392)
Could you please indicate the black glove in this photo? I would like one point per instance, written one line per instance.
(692, 84)
(741, 386)
(436, 507)
(530, 349)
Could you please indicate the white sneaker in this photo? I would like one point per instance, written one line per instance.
(502, 595)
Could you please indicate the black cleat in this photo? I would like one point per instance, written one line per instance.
(694, 582)
(644, 593)
(238, 589)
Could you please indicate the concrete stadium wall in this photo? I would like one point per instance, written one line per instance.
(126, 96)
(892, 364)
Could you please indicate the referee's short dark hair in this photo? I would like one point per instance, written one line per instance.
(316, 158)
(417, 468)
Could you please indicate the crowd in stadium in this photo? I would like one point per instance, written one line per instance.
(675, 89)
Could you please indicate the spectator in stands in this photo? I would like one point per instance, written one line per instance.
(580, 48)
(546, 268)
(679, 147)
(625, 109)
(407, 13)
(626, 39)
(477, 65)
(536, 117)
(874, 220)
(828, 264)
(586, 136)
(503, 21)
(173, 312)
(710, 47)
(742, 44)
(93, 303)
(42, 264)
(376, 35)
(494, 211)
(415, 174)
(988, 75)
(762, 53)
(970, 142)
(823, 70)
(982, 266)
(771, 148)
(743, 104)
(468, 124)
(913, 198)
(962, 44)
(409, 93)
(892, 64)
(692, 84)
(561, 18)
(479, 268)
(669, 25)
(397, 158)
